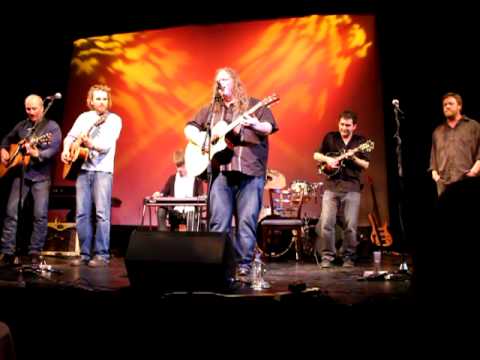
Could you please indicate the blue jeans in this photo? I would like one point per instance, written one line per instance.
(94, 188)
(325, 229)
(40, 193)
(239, 195)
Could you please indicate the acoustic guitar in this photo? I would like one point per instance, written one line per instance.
(78, 153)
(196, 155)
(329, 171)
(380, 235)
(18, 155)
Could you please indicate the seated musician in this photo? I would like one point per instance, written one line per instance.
(178, 185)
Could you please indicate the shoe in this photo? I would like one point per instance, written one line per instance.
(35, 259)
(98, 261)
(325, 264)
(348, 263)
(243, 273)
(79, 261)
(7, 260)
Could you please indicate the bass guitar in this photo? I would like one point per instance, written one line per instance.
(78, 153)
(196, 155)
(17, 153)
(380, 235)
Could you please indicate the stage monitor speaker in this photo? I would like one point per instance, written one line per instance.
(179, 261)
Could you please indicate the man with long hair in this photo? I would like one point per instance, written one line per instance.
(237, 190)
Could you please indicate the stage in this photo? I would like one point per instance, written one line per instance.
(48, 312)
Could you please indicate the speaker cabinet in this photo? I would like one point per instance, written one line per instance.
(179, 261)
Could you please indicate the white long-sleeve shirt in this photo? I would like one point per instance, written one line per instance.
(104, 139)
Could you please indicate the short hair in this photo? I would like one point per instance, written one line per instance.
(36, 98)
(100, 87)
(348, 114)
(455, 96)
(179, 157)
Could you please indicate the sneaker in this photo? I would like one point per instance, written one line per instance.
(98, 261)
(348, 263)
(325, 264)
(243, 274)
(79, 261)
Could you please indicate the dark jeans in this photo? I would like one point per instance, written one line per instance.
(40, 193)
(240, 195)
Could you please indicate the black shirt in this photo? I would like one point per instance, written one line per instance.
(348, 178)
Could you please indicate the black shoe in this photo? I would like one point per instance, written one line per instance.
(7, 260)
(35, 259)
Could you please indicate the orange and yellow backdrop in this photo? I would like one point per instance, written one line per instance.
(317, 65)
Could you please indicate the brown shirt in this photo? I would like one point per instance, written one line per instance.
(250, 152)
(455, 150)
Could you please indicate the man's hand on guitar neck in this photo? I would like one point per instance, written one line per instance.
(253, 123)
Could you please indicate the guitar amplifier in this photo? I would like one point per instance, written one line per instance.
(62, 240)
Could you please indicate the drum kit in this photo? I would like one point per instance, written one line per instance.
(285, 202)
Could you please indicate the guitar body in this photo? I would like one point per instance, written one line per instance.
(196, 159)
(17, 158)
(17, 155)
(79, 155)
(380, 235)
(327, 170)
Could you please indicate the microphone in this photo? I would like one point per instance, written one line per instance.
(54, 96)
(396, 104)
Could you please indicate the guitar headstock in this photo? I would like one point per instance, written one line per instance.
(367, 146)
(269, 100)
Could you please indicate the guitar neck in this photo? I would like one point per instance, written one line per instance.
(238, 120)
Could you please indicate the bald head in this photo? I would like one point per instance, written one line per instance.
(34, 107)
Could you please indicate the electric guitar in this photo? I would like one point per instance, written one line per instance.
(18, 155)
(196, 155)
(380, 235)
(78, 153)
(329, 171)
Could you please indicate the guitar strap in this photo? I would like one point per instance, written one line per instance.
(39, 126)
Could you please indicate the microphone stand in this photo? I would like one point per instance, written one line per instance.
(208, 142)
(403, 265)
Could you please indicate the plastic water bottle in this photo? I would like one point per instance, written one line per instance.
(258, 268)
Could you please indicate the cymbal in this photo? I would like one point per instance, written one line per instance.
(275, 180)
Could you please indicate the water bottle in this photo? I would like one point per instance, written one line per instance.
(258, 269)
